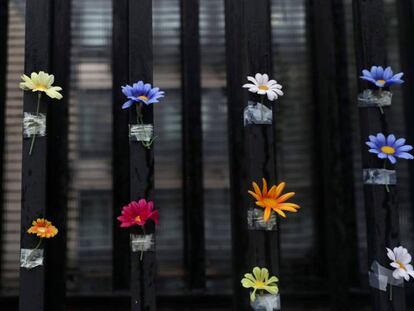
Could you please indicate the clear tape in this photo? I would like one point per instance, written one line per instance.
(255, 220)
(256, 113)
(370, 98)
(380, 277)
(266, 302)
(142, 243)
(141, 132)
(34, 124)
(31, 258)
(379, 176)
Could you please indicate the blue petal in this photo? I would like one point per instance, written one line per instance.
(368, 79)
(392, 159)
(366, 74)
(147, 88)
(372, 138)
(382, 155)
(380, 73)
(381, 139)
(374, 150)
(398, 76)
(388, 73)
(126, 90)
(371, 144)
(393, 81)
(400, 142)
(390, 139)
(127, 104)
(405, 148)
(405, 155)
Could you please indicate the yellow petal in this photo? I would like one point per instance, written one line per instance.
(272, 192)
(267, 213)
(257, 273)
(287, 208)
(280, 212)
(260, 203)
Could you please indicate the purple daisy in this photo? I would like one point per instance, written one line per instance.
(389, 147)
(381, 77)
(141, 93)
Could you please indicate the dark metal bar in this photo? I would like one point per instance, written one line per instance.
(194, 252)
(120, 143)
(4, 23)
(236, 72)
(37, 57)
(381, 207)
(334, 156)
(252, 153)
(57, 164)
(406, 29)
(143, 296)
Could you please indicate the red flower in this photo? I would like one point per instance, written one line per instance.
(138, 213)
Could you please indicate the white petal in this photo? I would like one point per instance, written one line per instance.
(395, 265)
(248, 85)
(396, 274)
(271, 96)
(259, 78)
(261, 92)
(251, 79)
(279, 92)
(265, 78)
(390, 254)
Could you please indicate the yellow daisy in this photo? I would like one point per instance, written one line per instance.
(41, 82)
(273, 200)
(260, 280)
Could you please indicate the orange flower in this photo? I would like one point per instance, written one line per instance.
(43, 228)
(273, 200)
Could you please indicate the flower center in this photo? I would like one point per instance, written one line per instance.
(381, 81)
(402, 266)
(138, 219)
(259, 284)
(41, 229)
(41, 87)
(263, 88)
(143, 97)
(388, 150)
(269, 202)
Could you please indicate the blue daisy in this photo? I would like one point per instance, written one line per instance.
(389, 147)
(141, 93)
(380, 77)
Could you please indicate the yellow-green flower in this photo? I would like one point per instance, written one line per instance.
(260, 280)
(41, 82)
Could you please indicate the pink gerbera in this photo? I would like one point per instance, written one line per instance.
(138, 213)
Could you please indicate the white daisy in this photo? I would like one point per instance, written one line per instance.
(263, 86)
(401, 263)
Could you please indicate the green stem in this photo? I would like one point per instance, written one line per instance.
(142, 252)
(390, 292)
(33, 250)
(386, 185)
(140, 121)
(39, 96)
(379, 106)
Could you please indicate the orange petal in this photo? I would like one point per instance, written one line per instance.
(267, 214)
(287, 208)
(280, 213)
(272, 192)
(254, 195)
(260, 203)
(264, 192)
(292, 205)
(285, 197)
(279, 189)
(256, 189)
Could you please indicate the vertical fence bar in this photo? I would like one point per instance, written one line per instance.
(248, 36)
(120, 144)
(334, 155)
(141, 159)
(4, 23)
(405, 9)
(37, 57)
(57, 155)
(380, 206)
(192, 146)
(236, 72)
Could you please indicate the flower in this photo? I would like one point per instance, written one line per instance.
(262, 86)
(43, 228)
(259, 280)
(381, 77)
(138, 213)
(41, 82)
(141, 93)
(273, 200)
(401, 263)
(389, 148)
